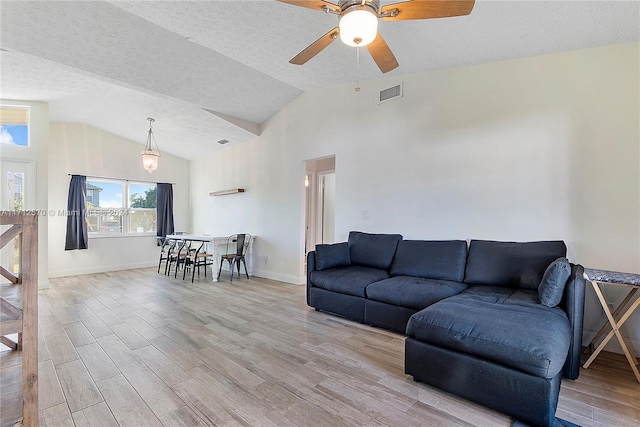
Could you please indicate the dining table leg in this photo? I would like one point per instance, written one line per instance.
(250, 256)
(214, 264)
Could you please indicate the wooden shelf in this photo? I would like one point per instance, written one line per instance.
(226, 192)
(19, 315)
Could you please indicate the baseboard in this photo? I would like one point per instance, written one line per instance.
(287, 278)
(101, 269)
(106, 268)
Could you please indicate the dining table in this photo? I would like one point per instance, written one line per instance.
(210, 243)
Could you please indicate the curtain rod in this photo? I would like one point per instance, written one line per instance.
(122, 179)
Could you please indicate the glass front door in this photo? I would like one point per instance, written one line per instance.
(16, 182)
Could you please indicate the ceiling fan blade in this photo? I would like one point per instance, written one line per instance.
(312, 4)
(314, 48)
(381, 53)
(426, 9)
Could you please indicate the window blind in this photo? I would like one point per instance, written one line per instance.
(16, 116)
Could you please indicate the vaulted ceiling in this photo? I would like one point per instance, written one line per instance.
(211, 70)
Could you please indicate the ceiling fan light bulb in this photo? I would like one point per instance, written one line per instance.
(358, 27)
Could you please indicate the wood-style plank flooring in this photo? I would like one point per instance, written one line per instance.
(137, 348)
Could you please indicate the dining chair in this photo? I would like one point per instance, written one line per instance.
(234, 254)
(195, 259)
(177, 256)
(165, 250)
(179, 253)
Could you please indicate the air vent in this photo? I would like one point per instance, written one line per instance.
(391, 93)
(223, 141)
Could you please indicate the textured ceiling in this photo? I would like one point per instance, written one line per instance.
(113, 64)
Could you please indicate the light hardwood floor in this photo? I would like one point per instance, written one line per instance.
(136, 348)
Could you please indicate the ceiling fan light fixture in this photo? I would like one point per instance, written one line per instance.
(358, 26)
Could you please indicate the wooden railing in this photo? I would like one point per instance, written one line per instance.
(19, 309)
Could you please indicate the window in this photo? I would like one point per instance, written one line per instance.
(142, 203)
(14, 125)
(120, 208)
(15, 193)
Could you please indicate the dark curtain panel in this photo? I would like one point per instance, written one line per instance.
(165, 210)
(77, 237)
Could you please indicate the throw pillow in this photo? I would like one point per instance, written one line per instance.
(331, 256)
(551, 287)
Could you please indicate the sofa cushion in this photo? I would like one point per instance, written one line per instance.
(350, 280)
(430, 259)
(373, 250)
(507, 326)
(552, 285)
(517, 265)
(412, 292)
(331, 256)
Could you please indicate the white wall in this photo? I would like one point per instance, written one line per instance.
(530, 149)
(35, 154)
(81, 149)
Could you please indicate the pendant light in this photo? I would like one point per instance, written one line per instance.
(149, 156)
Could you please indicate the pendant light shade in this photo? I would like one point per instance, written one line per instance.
(149, 155)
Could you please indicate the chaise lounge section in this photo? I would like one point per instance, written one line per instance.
(499, 323)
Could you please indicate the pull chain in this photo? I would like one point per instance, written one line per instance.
(357, 68)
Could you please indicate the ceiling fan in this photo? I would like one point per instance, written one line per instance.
(358, 24)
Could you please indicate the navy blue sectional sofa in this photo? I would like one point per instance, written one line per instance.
(498, 323)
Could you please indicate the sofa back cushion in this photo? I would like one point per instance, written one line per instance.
(332, 256)
(443, 260)
(516, 265)
(373, 250)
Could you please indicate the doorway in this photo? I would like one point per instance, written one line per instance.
(319, 206)
(326, 215)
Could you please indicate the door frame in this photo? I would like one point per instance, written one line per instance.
(319, 212)
(308, 206)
